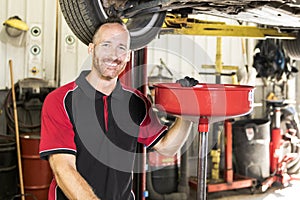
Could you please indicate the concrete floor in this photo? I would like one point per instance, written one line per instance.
(277, 191)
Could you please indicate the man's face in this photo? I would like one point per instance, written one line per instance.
(111, 50)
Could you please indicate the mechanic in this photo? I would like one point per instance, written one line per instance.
(90, 127)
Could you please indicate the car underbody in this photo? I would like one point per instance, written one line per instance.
(276, 13)
(145, 18)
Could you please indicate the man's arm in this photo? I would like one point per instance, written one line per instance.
(174, 138)
(68, 179)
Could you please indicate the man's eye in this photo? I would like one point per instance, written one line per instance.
(105, 45)
(122, 48)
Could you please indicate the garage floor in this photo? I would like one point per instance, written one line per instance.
(290, 192)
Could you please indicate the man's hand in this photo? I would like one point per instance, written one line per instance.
(73, 185)
(187, 82)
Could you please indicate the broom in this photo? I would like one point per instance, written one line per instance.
(17, 130)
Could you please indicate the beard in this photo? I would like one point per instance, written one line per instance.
(108, 68)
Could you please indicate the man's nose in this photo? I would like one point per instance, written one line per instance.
(113, 52)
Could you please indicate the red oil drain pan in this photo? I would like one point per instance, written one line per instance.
(204, 99)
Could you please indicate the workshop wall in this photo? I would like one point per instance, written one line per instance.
(72, 53)
(186, 54)
(36, 58)
(52, 52)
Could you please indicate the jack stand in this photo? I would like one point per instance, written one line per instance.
(278, 165)
(281, 176)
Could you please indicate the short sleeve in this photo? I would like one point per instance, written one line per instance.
(57, 135)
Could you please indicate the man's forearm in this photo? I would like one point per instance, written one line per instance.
(175, 137)
(70, 181)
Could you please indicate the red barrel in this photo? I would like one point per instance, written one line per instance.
(37, 174)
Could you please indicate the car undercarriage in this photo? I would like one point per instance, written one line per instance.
(146, 17)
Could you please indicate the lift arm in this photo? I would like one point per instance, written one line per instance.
(191, 26)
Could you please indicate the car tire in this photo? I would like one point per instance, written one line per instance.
(84, 16)
(292, 47)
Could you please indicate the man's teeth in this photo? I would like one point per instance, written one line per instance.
(111, 64)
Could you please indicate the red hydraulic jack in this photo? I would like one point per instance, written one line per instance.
(278, 162)
(231, 181)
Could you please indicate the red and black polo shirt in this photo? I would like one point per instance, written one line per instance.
(101, 131)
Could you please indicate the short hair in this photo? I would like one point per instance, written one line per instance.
(110, 19)
(114, 19)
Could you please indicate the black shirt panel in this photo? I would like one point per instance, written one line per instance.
(109, 176)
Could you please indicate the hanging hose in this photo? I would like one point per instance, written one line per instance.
(29, 105)
(25, 127)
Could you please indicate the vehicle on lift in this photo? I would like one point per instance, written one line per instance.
(145, 17)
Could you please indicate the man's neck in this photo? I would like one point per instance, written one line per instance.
(105, 86)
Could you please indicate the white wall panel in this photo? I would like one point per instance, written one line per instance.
(35, 13)
(8, 51)
(194, 51)
(41, 16)
(185, 55)
(73, 54)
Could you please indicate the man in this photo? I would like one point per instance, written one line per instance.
(90, 127)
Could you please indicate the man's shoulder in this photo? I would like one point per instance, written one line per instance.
(59, 93)
(132, 90)
(136, 93)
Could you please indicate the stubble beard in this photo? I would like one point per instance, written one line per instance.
(106, 73)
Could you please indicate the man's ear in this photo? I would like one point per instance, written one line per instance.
(91, 48)
(128, 55)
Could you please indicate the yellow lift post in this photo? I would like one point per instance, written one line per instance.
(219, 67)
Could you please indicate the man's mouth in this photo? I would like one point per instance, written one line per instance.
(111, 64)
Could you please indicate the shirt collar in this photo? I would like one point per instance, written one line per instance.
(91, 92)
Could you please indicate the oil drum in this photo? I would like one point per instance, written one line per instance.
(251, 141)
(8, 167)
(164, 172)
(37, 174)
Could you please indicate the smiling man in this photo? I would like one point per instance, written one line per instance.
(91, 127)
